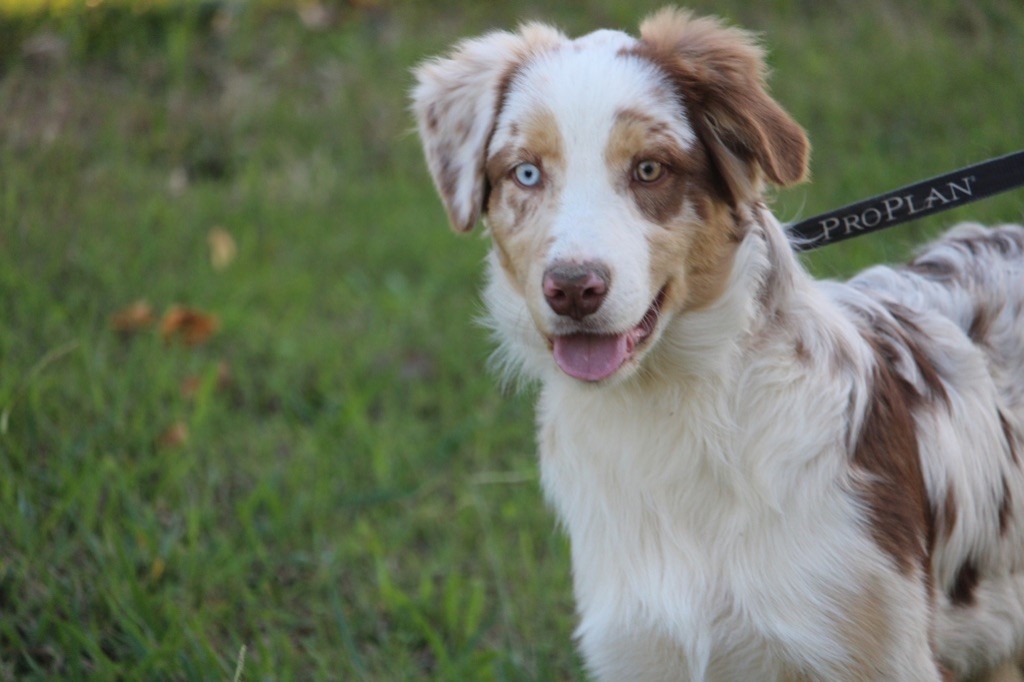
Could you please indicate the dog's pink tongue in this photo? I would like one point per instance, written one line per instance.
(591, 357)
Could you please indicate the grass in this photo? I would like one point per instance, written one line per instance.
(331, 486)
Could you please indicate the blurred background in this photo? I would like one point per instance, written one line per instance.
(246, 426)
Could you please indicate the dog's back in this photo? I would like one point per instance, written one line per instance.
(951, 324)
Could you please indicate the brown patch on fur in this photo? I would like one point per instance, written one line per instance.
(694, 250)
(839, 358)
(1011, 439)
(495, 170)
(905, 522)
(536, 38)
(645, 127)
(709, 262)
(510, 206)
(720, 72)
(448, 179)
(637, 137)
(703, 251)
(887, 450)
(931, 269)
(542, 139)
(909, 334)
(689, 176)
(1005, 242)
(432, 118)
(775, 287)
(1002, 241)
(801, 351)
(504, 85)
(661, 200)
(980, 324)
(538, 142)
(1004, 507)
(947, 516)
(962, 591)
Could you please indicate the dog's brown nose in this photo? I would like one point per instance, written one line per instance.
(576, 289)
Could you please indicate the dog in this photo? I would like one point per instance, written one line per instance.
(762, 476)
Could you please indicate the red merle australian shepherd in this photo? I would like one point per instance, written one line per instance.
(763, 476)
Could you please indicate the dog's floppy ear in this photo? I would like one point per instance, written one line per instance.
(720, 72)
(456, 102)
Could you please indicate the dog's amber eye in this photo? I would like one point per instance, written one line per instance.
(648, 171)
(526, 174)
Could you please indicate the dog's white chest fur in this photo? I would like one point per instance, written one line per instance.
(686, 563)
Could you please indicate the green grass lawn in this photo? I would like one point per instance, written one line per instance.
(331, 486)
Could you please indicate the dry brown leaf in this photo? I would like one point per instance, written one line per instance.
(174, 436)
(190, 325)
(133, 318)
(222, 248)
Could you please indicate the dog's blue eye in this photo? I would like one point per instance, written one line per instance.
(527, 174)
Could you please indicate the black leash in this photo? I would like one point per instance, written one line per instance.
(911, 202)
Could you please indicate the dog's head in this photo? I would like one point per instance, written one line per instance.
(609, 170)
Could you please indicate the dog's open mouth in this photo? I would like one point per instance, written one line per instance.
(593, 357)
